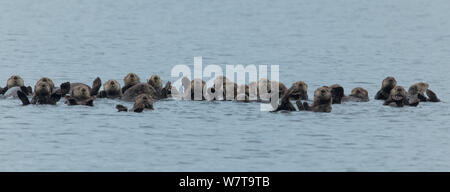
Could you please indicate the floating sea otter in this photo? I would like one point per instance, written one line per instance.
(386, 86)
(82, 94)
(14, 84)
(142, 102)
(44, 92)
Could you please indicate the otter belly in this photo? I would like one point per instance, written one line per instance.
(12, 92)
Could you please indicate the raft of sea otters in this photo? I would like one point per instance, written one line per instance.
(143, 94)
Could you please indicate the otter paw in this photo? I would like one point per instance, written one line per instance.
(23, 98)
(121, 108)
(432, 96)
(64, 88)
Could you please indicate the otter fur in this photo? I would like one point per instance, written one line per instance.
(417, 91)
(322, 101)
(82, 94)
(44, 92)
(399, 98)
(111, 90)
(142, 102)
(129, 81)
(14, 84)
(337, 93)
(358, 94)
(386, 86)
(299, 91)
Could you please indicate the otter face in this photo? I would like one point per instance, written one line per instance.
(14, 81)
(81, 92)
(143, 101)
(389, 83)
(131, 79)
(155, 81)
(42, 88)
(112, 86)
(47, 80)
(359, 92)
(322, 94)
(398, 93)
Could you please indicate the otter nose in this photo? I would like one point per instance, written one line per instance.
(42, 85)
(112, 83)
(145, 98)
(83, 90)
(322, 91)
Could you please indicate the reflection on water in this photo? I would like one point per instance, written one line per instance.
(352, 43)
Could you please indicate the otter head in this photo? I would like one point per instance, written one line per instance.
(322, 95)
(43, 88)
(81, 92)
(398, 93)
(112, 86)
(417, 88)
(144, 99)
(15, 81)
(389, 83)
(155, 81)
(359, 92)
(131, 79)
(300, 90)
(47, 80)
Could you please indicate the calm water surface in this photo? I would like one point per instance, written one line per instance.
(350, 42)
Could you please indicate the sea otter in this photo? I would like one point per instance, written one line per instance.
(161, 92)
(130, 80)
(337, 93)
(111, 90)
(399, 98)
(358, 95)
(14, 84)
(299, 91)
(156, 82)
(142, 102)
(387, 85)
(322, 101)
(82, 94)
(44, 92)
(418, 91)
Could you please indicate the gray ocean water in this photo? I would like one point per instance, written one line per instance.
(322, 42)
